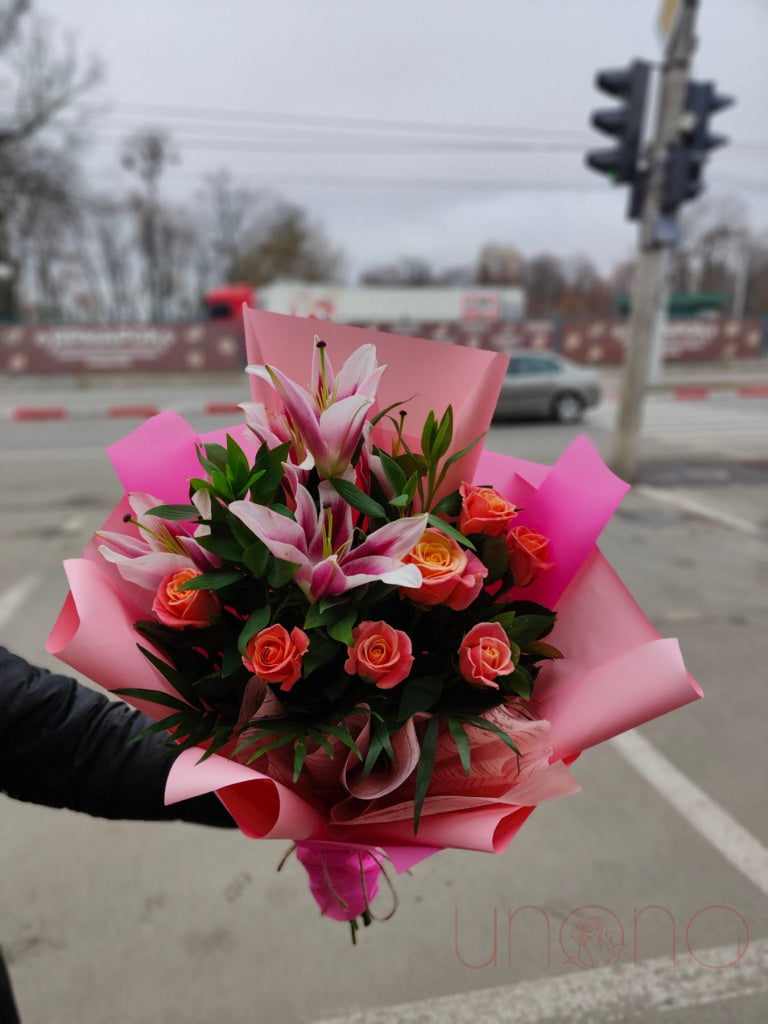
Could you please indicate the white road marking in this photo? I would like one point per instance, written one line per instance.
(698, 508)
(14, 597)
(608, 994)
(731, 840)
(705, 427)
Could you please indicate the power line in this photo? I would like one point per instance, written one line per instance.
(337, 121)
(357, 145)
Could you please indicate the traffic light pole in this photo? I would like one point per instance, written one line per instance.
(657, 233)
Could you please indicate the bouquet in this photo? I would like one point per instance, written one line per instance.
(363, 632)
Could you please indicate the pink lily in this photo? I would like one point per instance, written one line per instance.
(160, 547)
(274, 429)
(328, 420)
(321, 544)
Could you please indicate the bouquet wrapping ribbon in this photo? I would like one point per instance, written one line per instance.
(344, 880)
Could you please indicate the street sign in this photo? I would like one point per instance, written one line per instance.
(667, 18)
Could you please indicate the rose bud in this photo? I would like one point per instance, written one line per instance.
(528, 552)
(275, 655)
(483, 510)
(379, 655)
(180, 608)
(485, 654)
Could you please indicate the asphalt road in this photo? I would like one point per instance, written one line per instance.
(121, 923)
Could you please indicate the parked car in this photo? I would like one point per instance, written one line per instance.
(545, 384)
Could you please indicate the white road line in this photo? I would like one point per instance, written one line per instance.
(730, 839)
(698, 508)
(607, 994)
(12, 599)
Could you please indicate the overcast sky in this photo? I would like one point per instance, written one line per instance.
(413, 127)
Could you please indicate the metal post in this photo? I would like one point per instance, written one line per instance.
(657, 232)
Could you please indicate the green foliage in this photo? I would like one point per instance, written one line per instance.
(204, 667)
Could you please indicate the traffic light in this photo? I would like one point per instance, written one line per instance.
(683, 176)
(624, 123)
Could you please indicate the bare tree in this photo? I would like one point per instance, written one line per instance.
(286, 243)
(408, 271)
(41, 77)
(147, 154)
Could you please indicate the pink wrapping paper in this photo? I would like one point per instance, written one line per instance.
(468, 379)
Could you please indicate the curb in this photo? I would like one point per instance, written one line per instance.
(144, 411)
(745, 391)
(140, 411)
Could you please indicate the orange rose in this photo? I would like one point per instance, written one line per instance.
(275, 655)
(449, 574)
(380, 655)
(485, 654)
(180, 608)
(483, 510)
(528, 553)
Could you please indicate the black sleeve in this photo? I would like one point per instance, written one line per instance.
(64, 745)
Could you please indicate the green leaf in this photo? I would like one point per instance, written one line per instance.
(375, 419)
(320, 652)
(342, 733)
(444, 435)
(317, 737)
(280, 573)
(225, 547)
(495, 558)
(153, 696)
(392, 471)
(461, 740)
(519, 682)
(358, 499)
(401, 501)
(483, 723)
(542, 650)
(217, 455)
(236, 460)
(375, 748)
(459, 455)
(279, 741)
(428, 433)
(222, 485)
(222, 737)
(418, 695)
(256, 558)
(163, 725)
(231, 662)
(198, 484)
(177, 679)
(216, 579)
(242, 534)
(173, 512)
(342, 630)
(530, 627)
(257, 621)
(450, 505)
(424, 769)
(299, 754)
(451, 531)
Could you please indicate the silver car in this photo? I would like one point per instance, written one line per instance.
(545, 384)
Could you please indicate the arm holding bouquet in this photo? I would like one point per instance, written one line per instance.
(65, 745)
(370, 638)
